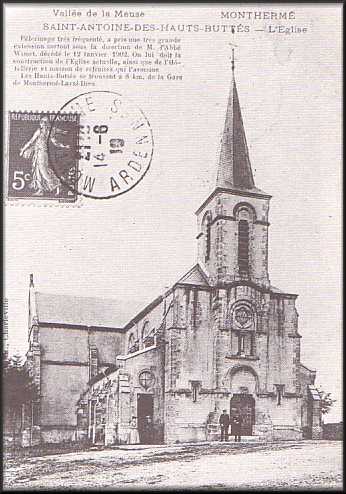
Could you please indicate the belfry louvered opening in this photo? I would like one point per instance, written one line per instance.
(208, 240)
(243, 247)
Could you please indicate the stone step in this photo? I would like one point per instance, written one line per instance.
(244, 439)
(247, 439)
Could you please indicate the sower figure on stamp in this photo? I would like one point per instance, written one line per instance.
(236, 426)
(43, 178)
(224, 422)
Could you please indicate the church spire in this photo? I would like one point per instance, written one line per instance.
(234, 168)
(32, 317)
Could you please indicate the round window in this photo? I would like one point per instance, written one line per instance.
(146, 379)
(242, 315)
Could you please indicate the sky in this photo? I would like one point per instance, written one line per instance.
(137, 244)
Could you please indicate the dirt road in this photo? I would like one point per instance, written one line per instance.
(306, 464)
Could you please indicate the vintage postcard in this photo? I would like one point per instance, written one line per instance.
(172, 200)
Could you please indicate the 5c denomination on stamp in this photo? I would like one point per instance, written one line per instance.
(115, 144)
(42, 161)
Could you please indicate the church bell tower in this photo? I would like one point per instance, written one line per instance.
(233, 220)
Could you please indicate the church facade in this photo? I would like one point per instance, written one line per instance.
(221, 338)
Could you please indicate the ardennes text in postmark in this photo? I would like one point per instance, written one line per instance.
(115, 143)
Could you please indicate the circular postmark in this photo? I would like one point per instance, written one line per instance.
(115, 145)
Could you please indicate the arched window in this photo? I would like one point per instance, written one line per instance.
(206, 230)
(148, 335)
(145, 330)
(243, 246)
(132, 347)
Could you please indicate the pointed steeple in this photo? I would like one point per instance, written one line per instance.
(32, 316)
(234, 167)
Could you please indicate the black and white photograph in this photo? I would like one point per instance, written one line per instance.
(172, 314)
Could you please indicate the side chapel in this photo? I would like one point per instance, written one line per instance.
(222, 337)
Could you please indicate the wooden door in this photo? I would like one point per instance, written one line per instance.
(244, 406)
(145, 411)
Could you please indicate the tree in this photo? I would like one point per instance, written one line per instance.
(326, 401)
(18, 389)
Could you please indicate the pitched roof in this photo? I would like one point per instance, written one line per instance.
(234, 167)
(274, 289)
(307, 368)
(195, 276)
(84, 311)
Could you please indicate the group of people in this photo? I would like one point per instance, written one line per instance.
(147, 428)
(145, 435)
(225, 422)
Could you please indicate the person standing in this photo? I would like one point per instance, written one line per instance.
(148, 430)
(133, 437)
(224, 424)
(236, 426)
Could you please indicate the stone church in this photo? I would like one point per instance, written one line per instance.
(222, 337)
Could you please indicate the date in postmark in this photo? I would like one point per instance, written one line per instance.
(42, 160)
(115, 144)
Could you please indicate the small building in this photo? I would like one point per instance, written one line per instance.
(222, 337)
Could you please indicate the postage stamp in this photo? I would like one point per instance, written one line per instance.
(42, 160)
(115, 145)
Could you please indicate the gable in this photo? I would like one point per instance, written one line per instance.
(195, 276)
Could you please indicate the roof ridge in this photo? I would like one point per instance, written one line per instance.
(55, 294)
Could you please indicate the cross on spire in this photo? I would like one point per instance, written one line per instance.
(232, 58)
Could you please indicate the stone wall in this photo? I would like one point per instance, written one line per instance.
(225, 210)
(65, 372)
(148, 323)
(185, 420)
(56, 435)
(131, 367)
(204, 354)
(61, 387)
(72, 344)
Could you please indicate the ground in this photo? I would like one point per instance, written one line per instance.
(287, 464)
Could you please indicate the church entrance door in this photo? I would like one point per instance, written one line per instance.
(243, 405)
(145, 411)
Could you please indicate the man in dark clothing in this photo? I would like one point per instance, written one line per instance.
(224, 424)
(236, 427)
(148, 430)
